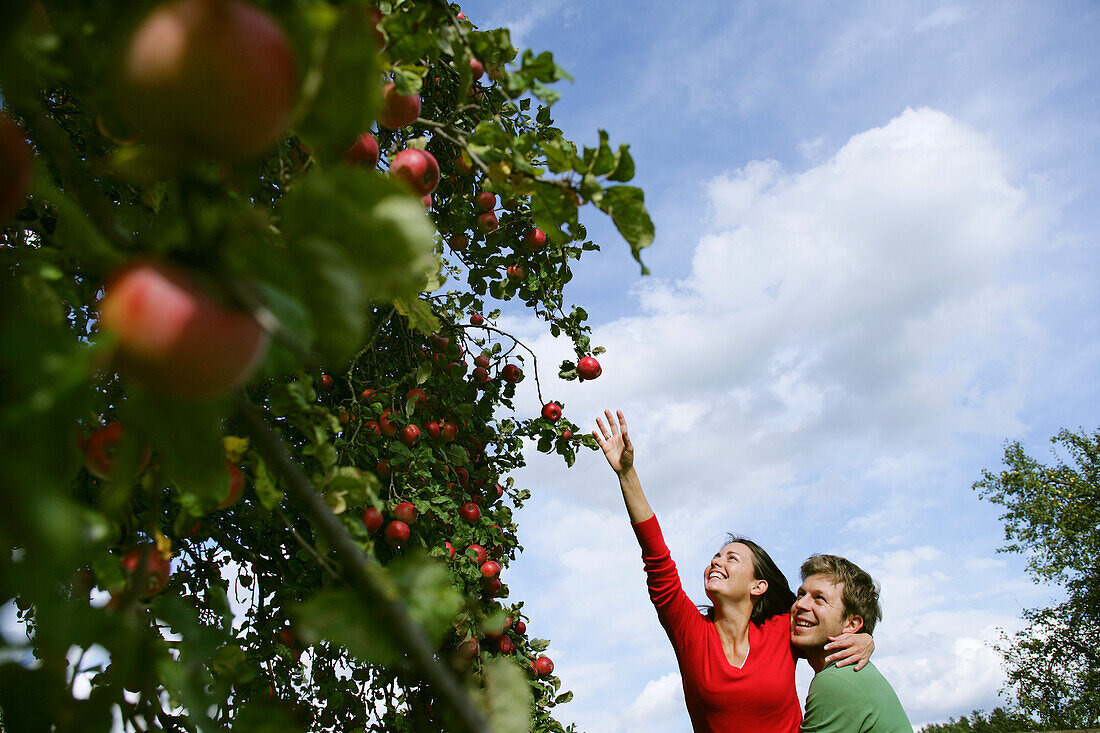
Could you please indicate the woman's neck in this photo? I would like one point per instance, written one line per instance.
(731, 621)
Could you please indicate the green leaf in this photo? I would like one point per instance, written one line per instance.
(187, 436)
(355, 235)
(456, 455)
(264, 482)
(338, 616)
(507, 696)
(599, 161)
(231, 663)
(419, 313)
(341, 91)
(626, 207)
(624, 170)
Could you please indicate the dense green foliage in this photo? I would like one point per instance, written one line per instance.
(998, 720)
(1052, 516)
(282, 610)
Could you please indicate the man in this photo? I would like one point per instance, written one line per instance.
(837, 596)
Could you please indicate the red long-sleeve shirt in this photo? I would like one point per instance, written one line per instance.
(759, 697)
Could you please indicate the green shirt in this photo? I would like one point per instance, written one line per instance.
(842, 700)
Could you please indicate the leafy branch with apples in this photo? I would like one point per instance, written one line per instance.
(249, 252)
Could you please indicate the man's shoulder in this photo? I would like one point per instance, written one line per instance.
(865, 694)
(847, 681)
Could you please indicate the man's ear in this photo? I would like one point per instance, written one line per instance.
(759, 588)
(853, 624)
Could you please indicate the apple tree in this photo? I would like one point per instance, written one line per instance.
(258, 416)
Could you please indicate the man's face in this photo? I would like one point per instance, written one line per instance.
(818, 613)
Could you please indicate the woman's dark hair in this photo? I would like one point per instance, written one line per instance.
(778, 598)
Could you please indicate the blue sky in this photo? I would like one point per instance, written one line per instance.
(875, 262)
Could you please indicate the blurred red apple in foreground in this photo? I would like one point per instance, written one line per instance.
(173, 336)
(214, 77)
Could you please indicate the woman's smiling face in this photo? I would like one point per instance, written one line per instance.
(731, 573)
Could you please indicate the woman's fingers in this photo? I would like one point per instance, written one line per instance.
(622, 422)
(611, 423)
(606, 434)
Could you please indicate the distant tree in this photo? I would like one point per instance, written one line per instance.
(998, 720)
(1053, 517)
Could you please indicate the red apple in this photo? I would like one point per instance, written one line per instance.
(535, 239)
(373, 427)
(551, 411)
(458, 242)
(461, 16)
(470, 511)
(410, 434)
(398, 110)
(491, 589)
(327, 381)
(481, 360)
(417, 168)
(389, 428)
(544, 667)
(406, 512)
(566, 434)
(506, 645)
(397, 533)
(372, 518)
(363, 152)
(382, 468)
(511, 373)
(449, 430)
(15, 169)
(485, 201)
(462, 166)
(418, 395)
(174, 336)
(100, 448)
(212, 77)
(487, 222)
(463, 476)
(477, 319)
(157, 567)
(589, 368)
(468, 648)
(521, 627)
(477, 68)
(285, 637)
(490, 569)
(500, 490)
(516, 273)
(432, 429)
(450, 549)
(479, 553)
(345, 417)
(236, 486)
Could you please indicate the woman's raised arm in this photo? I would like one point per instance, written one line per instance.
(619, 452)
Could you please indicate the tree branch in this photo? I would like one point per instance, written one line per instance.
(362, 573)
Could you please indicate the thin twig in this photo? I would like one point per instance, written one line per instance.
(306, 546)
(534, 359)
(442, 131)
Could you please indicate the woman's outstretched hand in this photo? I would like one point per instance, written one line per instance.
(616, 445)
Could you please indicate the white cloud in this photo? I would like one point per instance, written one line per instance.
(658, 700)
(944, 16)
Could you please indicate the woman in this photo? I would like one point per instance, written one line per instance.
(737, 662)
